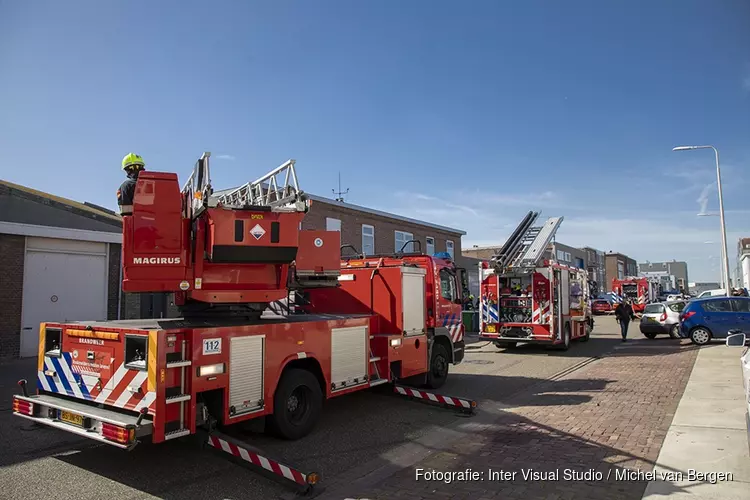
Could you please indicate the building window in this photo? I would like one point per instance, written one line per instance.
(620, 270)
(333, 224)
(563, 256)
(430, 245)
(449, 248)
(401, 239)
(368, 239)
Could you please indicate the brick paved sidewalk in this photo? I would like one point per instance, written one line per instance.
(609, 415)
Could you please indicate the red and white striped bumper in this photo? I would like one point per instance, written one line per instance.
(461, 403)
(244, 453)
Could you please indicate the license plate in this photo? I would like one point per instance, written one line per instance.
(71, 418)
(491, 329)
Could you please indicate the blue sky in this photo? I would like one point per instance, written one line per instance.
(466, 114)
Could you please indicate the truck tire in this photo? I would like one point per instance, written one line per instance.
(297, 404)
(565, 345)
(439, 362)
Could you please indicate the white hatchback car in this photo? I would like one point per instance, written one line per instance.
(662, 318)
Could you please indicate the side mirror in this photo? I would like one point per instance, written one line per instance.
(736, 340)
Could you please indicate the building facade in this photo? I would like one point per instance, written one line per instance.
(595, 267)
(679, 271)
(618, 266)
(375, 232)
(743, 263)
(61, 261)
(567, 255)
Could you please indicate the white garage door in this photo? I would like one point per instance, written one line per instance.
(64, 280)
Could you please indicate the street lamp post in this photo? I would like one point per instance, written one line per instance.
(725, 254)
(721, 267)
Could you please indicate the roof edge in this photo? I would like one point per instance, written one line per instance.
(381, 213)
(60, 199)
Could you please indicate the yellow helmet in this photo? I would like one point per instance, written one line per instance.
(132, 160)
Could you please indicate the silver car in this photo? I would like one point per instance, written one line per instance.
(662, 318)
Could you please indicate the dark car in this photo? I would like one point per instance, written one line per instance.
(711, 318)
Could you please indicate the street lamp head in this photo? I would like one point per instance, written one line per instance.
(687, 148)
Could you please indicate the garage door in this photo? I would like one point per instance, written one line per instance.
(64, 280)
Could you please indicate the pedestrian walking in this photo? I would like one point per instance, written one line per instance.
(623, 314)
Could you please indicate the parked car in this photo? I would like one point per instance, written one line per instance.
(740, 340)
(662, 318)
(601, 306)
(711, 318)
(717, 292)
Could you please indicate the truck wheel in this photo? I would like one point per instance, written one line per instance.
(586, 336)
(566, 338)
(438, 367)
(297, 404)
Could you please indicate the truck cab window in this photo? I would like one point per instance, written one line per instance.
(447, 285)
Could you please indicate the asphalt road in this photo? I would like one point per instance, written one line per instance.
(355, 430)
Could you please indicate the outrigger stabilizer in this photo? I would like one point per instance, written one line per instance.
(463, 405)
(303, 483)
(244, 454)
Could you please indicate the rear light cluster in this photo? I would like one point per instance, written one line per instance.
(23, 407)
(663, 316)
(687, 314)
(123, 435)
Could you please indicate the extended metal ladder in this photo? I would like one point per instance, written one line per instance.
(267, 191)
(527, 244)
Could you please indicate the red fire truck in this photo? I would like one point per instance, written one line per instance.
(526, 298)
(639, 290)
(228, 257)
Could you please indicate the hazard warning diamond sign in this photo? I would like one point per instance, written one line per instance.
(258, 231)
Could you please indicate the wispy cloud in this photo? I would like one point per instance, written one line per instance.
(437, 201)
(703, 198)
(225, 157)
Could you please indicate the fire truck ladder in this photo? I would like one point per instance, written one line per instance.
(526, 245)
(268, 191)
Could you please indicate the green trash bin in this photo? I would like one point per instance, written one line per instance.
(468, 321)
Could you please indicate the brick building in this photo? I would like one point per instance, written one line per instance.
(617, 265)
(372, 231)
(595, 265)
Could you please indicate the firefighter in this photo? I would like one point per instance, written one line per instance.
(623, 314)
(133, 165)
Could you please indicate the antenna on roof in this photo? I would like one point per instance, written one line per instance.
(340, 192)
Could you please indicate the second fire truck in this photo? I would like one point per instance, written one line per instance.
(638, 289)
(527, 298)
